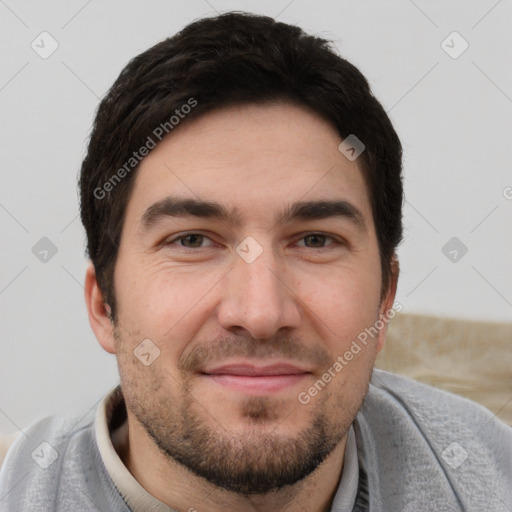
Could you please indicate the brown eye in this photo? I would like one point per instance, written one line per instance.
(191, 241)
(316, 240)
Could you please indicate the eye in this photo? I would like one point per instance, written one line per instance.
(316, 241)
(191, 241)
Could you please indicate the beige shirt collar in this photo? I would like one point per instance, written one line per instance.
(135, 496)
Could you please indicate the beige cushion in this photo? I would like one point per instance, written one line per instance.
(5, 443)
(471, 359)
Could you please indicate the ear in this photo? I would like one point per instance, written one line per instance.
(98, 311)
(386, 310)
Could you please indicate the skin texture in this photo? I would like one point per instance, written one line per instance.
(193, 440)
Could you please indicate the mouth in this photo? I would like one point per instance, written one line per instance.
(256, 379)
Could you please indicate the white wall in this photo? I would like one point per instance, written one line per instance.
(454, 117)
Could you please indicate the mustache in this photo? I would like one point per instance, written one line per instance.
(278, 347)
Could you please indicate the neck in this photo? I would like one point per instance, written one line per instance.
(173, 484)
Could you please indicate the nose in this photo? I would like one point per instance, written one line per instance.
(258, 298)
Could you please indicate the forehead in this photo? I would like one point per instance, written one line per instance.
(252, 158)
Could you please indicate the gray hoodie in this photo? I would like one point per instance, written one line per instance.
(419, 449)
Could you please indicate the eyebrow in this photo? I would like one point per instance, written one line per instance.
(302, 210)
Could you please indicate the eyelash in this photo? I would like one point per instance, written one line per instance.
(333, 240)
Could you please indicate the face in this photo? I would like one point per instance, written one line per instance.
(249, 263)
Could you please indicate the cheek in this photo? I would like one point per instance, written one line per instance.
(164, 303)
(345, 302)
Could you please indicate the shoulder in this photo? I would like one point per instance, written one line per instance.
(43, 442)
(44, 460)
(408, 430)
(429, 406)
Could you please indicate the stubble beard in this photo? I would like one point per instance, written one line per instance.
(254, 459)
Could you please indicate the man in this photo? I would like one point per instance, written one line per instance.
(242, 199)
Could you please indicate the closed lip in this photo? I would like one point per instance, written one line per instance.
(256, 370)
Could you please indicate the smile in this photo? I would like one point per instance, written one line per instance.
(256, 379)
